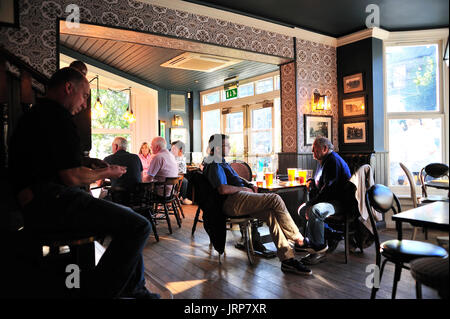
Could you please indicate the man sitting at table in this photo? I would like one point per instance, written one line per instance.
(325, 193)
(48, 190)
(243, 199)
(162, 162)
(125, 184)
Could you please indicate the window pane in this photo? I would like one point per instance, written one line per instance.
(412, 78)
(262, 118)
(277, 82)
(115, 105)
(262, 142)
(265, 85)
(101, 144)
(246, 90)
(211, 98)
(236, 143)
(235, 122)
(211, 125)
(415, 143)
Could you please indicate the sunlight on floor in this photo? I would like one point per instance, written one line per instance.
(180, 286)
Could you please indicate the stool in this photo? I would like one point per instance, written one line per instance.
(431, 272)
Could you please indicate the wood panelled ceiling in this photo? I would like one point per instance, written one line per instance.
(144, 62)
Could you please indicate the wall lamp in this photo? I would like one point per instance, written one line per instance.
(98, 110)
(319, 102)
(128, 115)
(177, 121)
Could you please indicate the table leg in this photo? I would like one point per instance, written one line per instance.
(398, 225)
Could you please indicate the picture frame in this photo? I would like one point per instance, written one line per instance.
(317, 125)
(162, 128)
(178, 134)
(354, 106)
(355, 132)
(177, 101)
(9, 13)
(353, 83)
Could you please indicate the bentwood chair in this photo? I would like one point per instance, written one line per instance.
(431, 272)
(416, 202)
(432, 171)
(399, 252)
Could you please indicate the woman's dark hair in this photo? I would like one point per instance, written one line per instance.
(216, 140)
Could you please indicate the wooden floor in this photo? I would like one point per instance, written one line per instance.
(185, 267)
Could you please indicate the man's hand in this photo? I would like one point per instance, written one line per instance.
(116, 171)
(309, 184)
(94, 163)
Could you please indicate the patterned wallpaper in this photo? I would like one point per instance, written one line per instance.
(35, 41)
(316, 70)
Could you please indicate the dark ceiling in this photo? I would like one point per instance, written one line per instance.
(337, 18)
(143, 61)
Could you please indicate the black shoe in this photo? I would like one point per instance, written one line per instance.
(313, 259)
(295, 266)
(332, 244)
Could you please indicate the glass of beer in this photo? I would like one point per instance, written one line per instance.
(291, 174)
(302, 176)
(269, 178)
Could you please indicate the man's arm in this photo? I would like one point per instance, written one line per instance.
(80, 176)
(94, 163)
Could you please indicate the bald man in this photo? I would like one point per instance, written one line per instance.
(48, 189)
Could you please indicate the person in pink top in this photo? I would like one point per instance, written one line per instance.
(144, 155)
(162, 162)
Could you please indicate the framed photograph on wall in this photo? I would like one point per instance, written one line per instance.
(177, 102)
(317, 125)
(162, 128)
(355, 133)
(178, 134)
(353, 83)
(9, 13)
(354, 106)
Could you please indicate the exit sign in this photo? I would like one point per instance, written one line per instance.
(229, 94)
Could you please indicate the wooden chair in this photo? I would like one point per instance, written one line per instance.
(242, 169)
(399, 252)
(160, 196)
(431, 272)
(416, 202)
(342, 222)
(177, 195)
(432, 171)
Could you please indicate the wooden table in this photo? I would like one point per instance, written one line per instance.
(280, 187)
(434, 215)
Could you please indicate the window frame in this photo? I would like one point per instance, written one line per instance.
(442, 99)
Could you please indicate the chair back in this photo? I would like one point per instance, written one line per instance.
(242, 169)
(433, 170)
(382, 199)
(412, 186)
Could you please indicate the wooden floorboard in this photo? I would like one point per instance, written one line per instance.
(187, 267)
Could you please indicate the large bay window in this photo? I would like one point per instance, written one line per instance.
(414, 107)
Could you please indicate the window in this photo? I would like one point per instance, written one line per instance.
(211, 98)
(414, 112)
(265, 85)
(246, 90)
(110, 123)
(234, 128)
(210, 126)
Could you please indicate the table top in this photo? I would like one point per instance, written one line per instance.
(434, 215)
(438, 183)
(280, 186)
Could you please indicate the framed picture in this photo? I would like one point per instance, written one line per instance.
(355, 133)
(178, 134)
(317, 125)
(9, 13)
(353, 83)
(162, 128)
(354, 107)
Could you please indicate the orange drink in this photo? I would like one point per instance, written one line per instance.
(291, 174)
(269, 178)
(259, 183)
(302, 176)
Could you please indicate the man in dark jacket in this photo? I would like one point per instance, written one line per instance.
(326, 194)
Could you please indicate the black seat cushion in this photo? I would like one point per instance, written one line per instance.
(432, 272)
(407, 250)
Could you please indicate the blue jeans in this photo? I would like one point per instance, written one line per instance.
(120, 270)
(314, 229)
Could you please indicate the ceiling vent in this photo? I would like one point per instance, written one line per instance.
(199, 62)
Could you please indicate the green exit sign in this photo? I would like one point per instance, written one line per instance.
(229, 94)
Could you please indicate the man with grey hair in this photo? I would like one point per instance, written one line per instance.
(325, 192)
(162, 162)
(126, 183)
